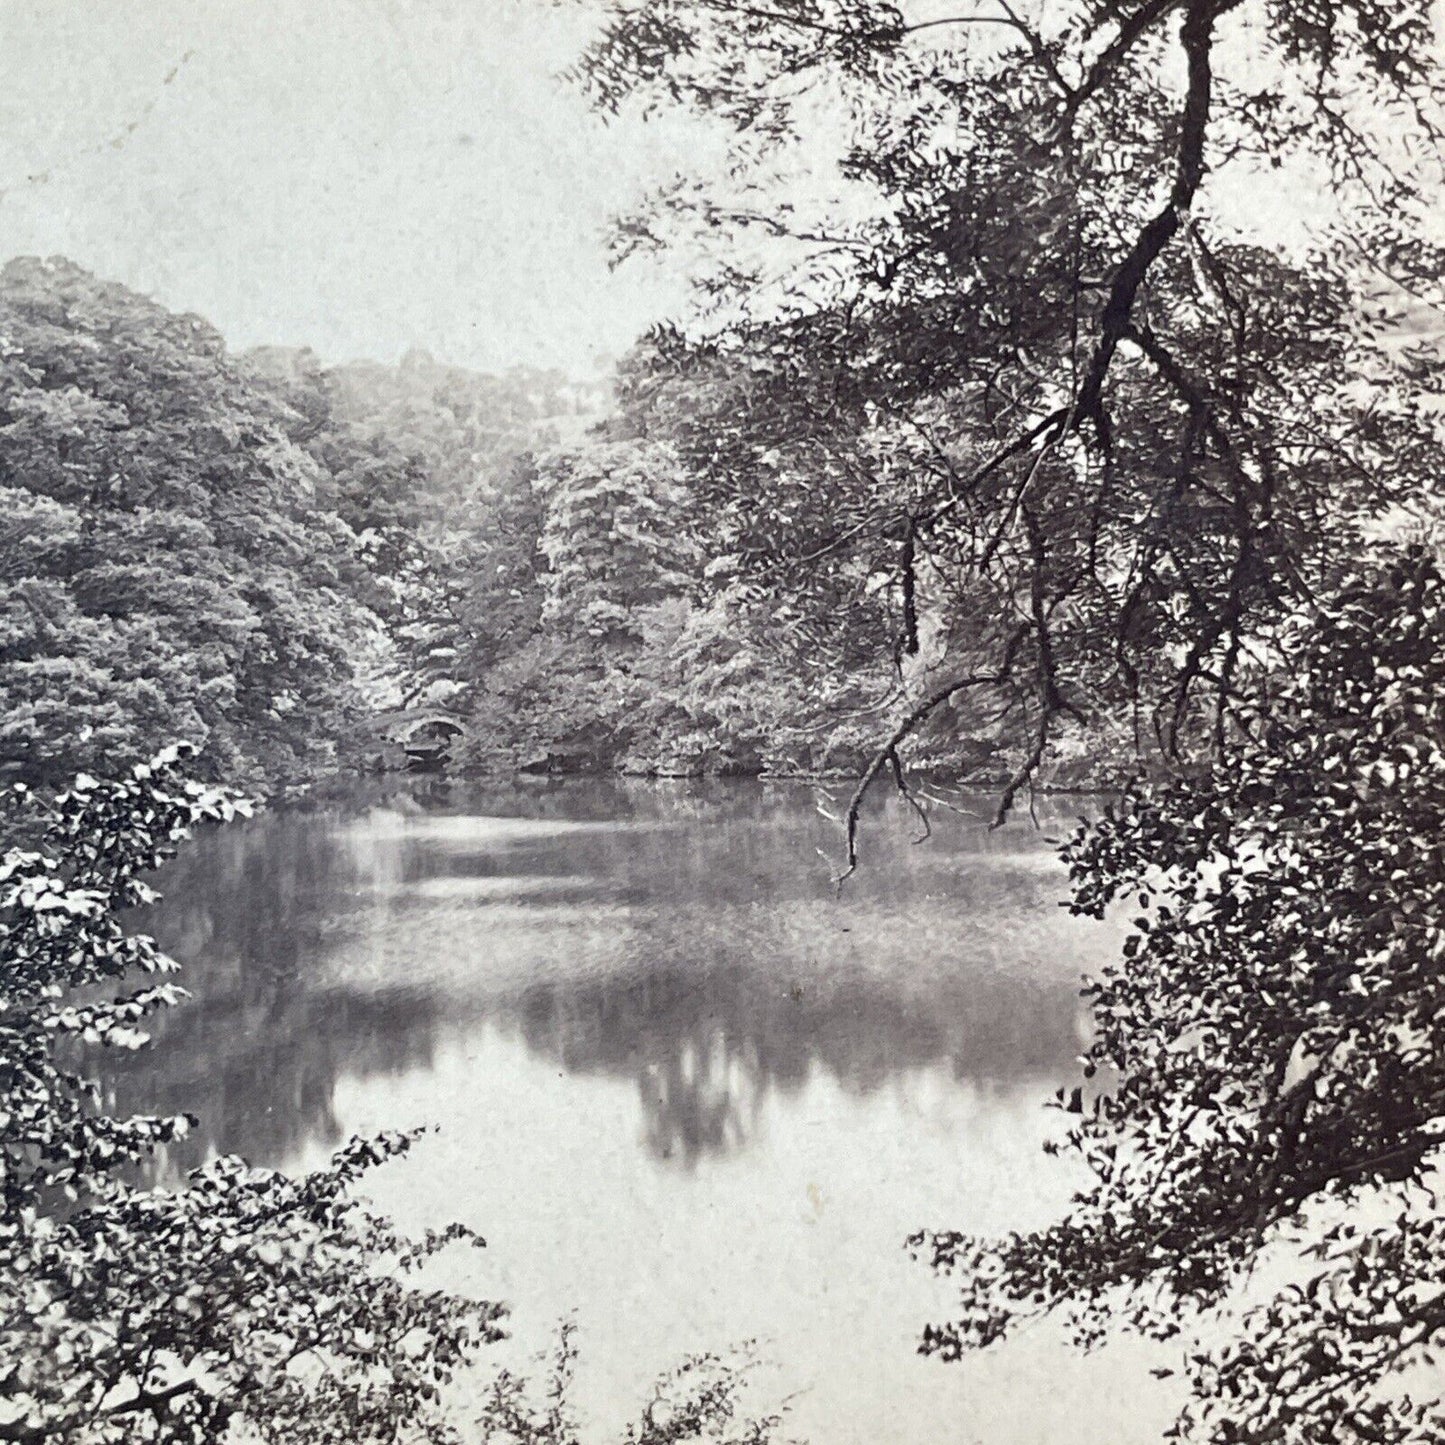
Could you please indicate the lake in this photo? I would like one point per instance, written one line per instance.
(689, 1093)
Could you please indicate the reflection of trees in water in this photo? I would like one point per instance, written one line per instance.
(256, 1053)
(699, 1100)
(707, 1046)
(260, 1071)
(742, 974)
(695, 948)
(699, 1074)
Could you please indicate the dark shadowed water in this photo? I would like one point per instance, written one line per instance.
(683, 1089)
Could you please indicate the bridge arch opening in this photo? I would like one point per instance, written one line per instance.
(428, 741)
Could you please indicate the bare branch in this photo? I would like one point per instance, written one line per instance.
(887, 755)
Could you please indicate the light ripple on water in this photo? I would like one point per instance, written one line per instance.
(487, 890)
(386, 826)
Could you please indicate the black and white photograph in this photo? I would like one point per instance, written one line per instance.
(722, 722)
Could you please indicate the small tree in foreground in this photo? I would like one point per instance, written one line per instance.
(1277, 1026)
(695, 1402)
(137, 1314)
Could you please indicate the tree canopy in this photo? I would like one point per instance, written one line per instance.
(169, 570)
(1027, 372)
(1121, 471)
(261, 554)
(1275, 1027)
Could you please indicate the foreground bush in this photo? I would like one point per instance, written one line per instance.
(1278, 1025)
(698, 1401)
(248, 1297)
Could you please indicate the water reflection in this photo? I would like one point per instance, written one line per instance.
(686, 940)
(682, 1089)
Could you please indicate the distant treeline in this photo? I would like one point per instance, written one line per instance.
(261, 554)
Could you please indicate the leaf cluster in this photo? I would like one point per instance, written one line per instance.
(127, 1312)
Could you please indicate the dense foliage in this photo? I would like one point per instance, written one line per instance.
(280, 562)
(1027, 392)
(699, 1401)
(1276, 1026)
(167, 567)
(1122, 475)
(645, 651)
(130, 1313)
(429, 466)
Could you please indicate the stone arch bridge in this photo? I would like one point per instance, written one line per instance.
(425, 735)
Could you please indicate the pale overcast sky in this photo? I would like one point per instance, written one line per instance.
(361, 176)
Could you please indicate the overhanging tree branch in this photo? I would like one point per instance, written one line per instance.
(1196, 35)
(887, 755)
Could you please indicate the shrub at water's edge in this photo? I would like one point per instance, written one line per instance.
(142, 1314)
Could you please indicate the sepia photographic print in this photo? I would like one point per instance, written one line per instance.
(722, 721)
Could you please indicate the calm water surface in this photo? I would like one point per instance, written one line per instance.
(685, 1091)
